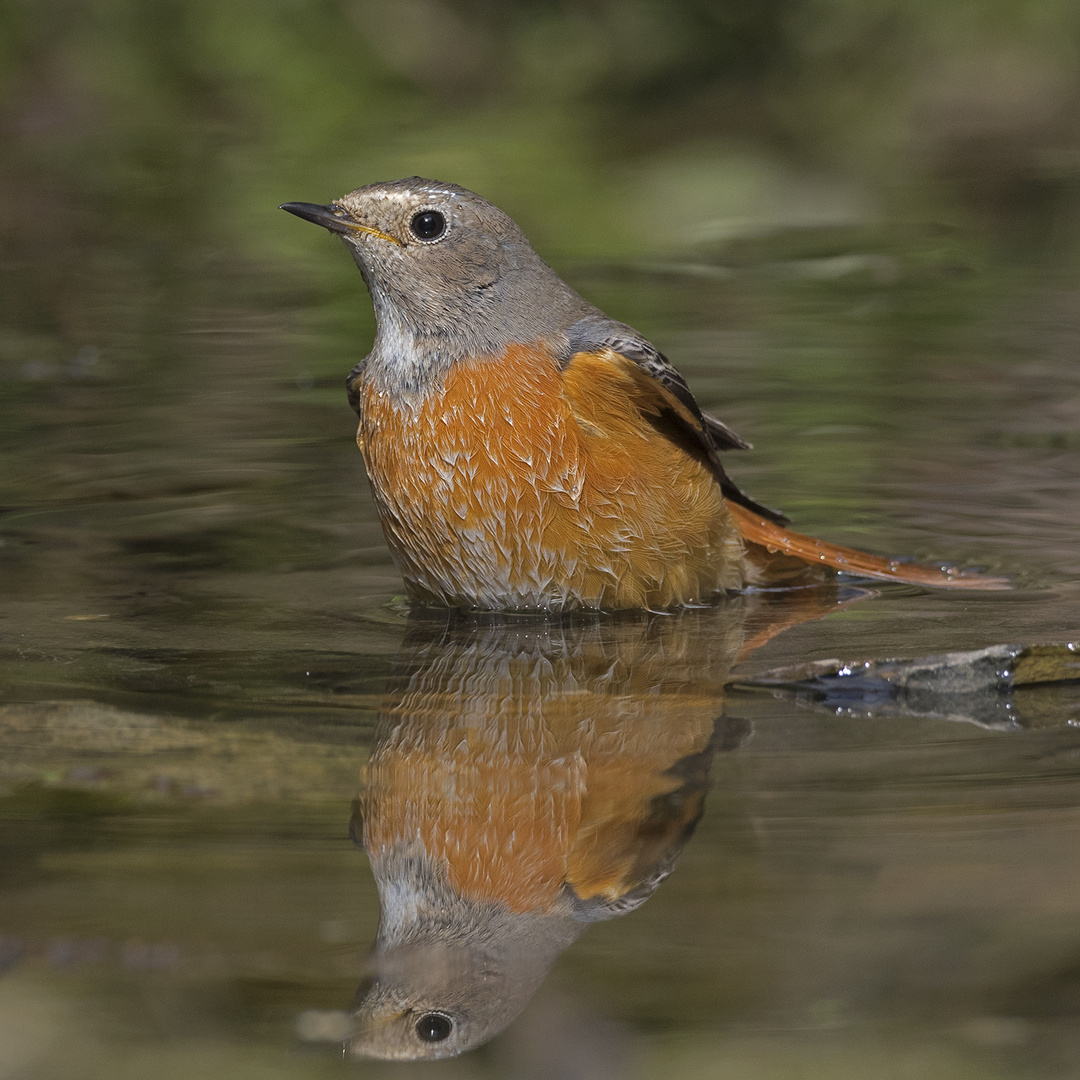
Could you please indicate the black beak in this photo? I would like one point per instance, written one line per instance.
(329, 217)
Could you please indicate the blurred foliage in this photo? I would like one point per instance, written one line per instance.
(146, 146)
(607, 125)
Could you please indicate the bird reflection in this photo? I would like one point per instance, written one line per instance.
(529, 777)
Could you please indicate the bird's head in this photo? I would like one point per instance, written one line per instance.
(448, 272)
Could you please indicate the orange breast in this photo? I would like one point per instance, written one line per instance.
(519, 764)
(518, 485)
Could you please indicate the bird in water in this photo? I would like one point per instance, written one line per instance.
(526, 451)
(529, 777)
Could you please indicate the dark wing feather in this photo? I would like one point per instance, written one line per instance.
(723, 438)
(595, 333)
(352, 385)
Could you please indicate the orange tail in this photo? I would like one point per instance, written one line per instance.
(775, 538)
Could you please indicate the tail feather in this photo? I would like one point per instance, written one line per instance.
(775, 538)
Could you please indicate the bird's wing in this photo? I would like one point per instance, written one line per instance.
(664, 395)
(635, 821)
(352, 386)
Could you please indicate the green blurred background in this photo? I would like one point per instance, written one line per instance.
(609, 127)
(146, 146)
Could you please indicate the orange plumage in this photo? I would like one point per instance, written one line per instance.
(517, 485)
(519, 761)
(520, 485)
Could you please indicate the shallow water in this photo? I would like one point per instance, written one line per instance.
(202, 642)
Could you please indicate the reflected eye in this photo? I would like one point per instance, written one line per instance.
(428, 225)
(434, 1027)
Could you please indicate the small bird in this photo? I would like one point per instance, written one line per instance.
(529, 777)
(526, 451)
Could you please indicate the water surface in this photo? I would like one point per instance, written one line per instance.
(202, 639)
(201, 629)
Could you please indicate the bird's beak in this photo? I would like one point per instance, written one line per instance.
(335, 218)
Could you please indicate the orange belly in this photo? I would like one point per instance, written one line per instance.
(517, 485)
(520, 763)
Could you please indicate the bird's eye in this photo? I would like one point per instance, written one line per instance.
(434, 1027)
(428, 225)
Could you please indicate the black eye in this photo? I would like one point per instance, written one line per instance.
(428, 225)
(434, 1027)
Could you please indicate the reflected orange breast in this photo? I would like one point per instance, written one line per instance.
(518, 767)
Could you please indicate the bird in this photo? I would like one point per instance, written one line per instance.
(528, 777)
(528, 452)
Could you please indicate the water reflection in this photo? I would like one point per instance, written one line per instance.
(529, 777)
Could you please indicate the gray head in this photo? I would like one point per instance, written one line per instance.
(450, 275)
(448, 972)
